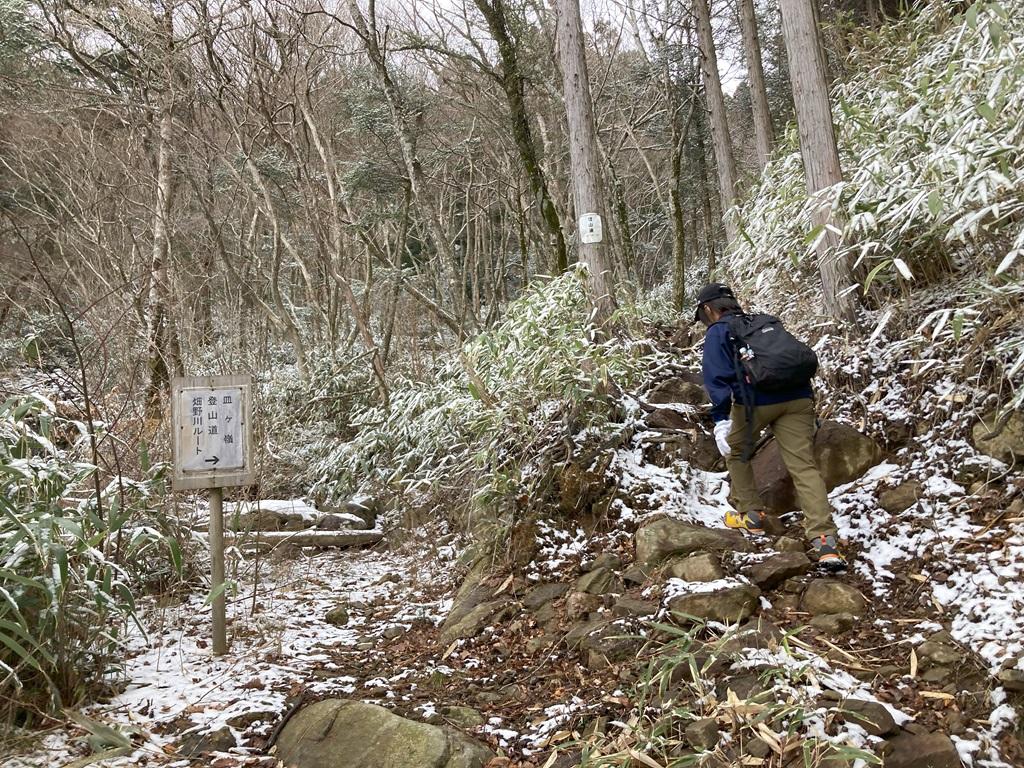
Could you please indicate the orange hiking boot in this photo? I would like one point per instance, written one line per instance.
(825, 552)
(751, 522)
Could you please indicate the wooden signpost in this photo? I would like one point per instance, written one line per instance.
(211, 421)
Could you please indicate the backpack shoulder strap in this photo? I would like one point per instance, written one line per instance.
(735, 323)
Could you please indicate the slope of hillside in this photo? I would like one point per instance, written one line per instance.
(931, 136)
(574, 598)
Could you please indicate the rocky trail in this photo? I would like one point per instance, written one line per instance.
(622, 623)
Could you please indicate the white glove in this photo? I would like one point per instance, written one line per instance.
(722, 430)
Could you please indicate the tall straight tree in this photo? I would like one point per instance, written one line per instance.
(719, 120)
(584, 155)
(818, 149)
(763, 136)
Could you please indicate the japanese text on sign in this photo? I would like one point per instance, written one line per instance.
(212, 429)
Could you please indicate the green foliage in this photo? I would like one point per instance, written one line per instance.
(932, 143)
(483, 409)
(69, 563)
(18, 31)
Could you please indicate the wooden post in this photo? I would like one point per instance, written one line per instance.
(211, 420)
(220, 634)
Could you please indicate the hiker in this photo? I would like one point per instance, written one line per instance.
(783, 401)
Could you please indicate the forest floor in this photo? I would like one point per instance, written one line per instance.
(940, 645)
(956, 568)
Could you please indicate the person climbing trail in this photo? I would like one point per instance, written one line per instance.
(758, 376)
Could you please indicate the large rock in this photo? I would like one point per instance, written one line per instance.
(824, 596)
(834, 623)
(604, 560)
(687, 391)
(756, 634)
(939, 650)
(470, 623)
(728, 601)
(1004, 442)
(900, 498)
(775, 569)
(1011, 679)
(337, 616)
(667, 536)
(200, 743)
(841, 452)
(609, 643)
(599, 581)
(270, 515)
(872, 716)
(928, 750)
(703, 733)
(580, 604)
(669, 418)
(695, 445)
(340, 522)
(364, 507)
(349, 734)
(582, 487)
(542, 594)
(628, 606)
(269, 540)
(582, 629)
(473, 591)
(703, 566)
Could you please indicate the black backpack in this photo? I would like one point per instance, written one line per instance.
(768, 357)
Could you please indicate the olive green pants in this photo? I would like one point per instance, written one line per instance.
(793, 424)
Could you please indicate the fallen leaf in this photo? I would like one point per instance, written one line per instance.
(938, 695)
(504, 585)
(645, 759)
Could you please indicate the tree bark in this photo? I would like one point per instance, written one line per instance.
(763, 134)
(621, 210)
(163, 350)
(512, 84)
(584, 156)
(871, 10)
(361, 319)
(818, 150)
(719, 120)
(366, 27)
(707, 218)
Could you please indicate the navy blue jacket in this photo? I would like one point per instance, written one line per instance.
(722, 383)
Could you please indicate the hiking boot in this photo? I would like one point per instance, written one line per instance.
(752, 522)
(825, 551)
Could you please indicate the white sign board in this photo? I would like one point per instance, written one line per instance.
(215, 416)
(212, 421)
(590, 228)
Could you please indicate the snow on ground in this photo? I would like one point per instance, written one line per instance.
(679, 490)
(976, 573)
(280, 643)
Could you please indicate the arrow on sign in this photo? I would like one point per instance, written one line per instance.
(213, 461)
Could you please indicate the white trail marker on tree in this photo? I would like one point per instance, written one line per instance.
(211, 421)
